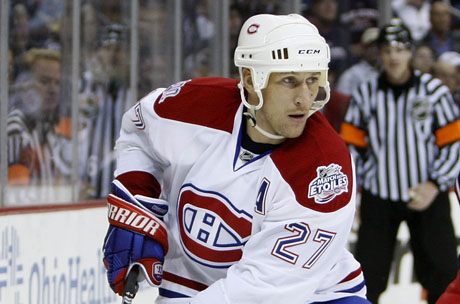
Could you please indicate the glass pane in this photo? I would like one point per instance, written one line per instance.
(156, 53)
(38, 125)
(198, 31)
(240, 11)
(104, 91)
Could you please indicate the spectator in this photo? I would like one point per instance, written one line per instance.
(403, 130)
(45, 14)
(38, 139)
(324, 15)
(357, 16)
(441, 38)
(235, 22)
(415, 14)
(104, 97)
(90, 34)
(155, 55)
(153, 69)
(198, 32)
(423, 59)
(447, 68)
(19, 36)
(455, 10)
(366, 68)
(249, 8)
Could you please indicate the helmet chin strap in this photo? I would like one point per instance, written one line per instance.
(251, 114)
(252, 118)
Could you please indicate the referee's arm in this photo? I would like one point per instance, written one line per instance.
(353, 132)
(447, 134)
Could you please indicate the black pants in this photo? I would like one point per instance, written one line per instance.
(432, 241)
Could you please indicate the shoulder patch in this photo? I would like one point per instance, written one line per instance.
(210, 102)
(329, 183)
(139, 121)
(317, 166)
(172, 90)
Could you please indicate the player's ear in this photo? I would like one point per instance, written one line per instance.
(247, 80)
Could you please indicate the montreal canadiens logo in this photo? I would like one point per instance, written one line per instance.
(252, 29)
(213, 231)
(329, 183)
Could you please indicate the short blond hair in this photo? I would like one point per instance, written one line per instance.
(41, 53)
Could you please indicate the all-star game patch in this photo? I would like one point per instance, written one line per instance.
(329, 183)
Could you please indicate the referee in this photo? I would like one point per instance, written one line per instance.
(403, 129)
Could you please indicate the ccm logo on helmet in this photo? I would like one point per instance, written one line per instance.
(253, 28)
(309, 51)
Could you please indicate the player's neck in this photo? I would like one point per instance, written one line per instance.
(258, 137)
(255, 147)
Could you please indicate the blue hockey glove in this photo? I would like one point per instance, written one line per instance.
(136, 236)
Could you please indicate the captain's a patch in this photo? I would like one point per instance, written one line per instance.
(329, 183)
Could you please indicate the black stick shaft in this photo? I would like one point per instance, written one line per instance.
(131, 286)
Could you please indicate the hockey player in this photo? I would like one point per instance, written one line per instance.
(238, 192)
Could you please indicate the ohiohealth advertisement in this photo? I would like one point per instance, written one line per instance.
(55, 257)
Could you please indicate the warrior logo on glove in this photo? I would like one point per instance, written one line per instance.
(124, 214)
(136, 236)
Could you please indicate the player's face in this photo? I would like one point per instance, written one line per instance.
(287, 99)
(396, 63)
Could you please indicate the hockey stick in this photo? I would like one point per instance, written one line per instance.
(131, 285)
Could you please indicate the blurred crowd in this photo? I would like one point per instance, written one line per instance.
(39, 54)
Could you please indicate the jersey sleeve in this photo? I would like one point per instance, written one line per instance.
(134, 148)
(447, 136)
(354, 128)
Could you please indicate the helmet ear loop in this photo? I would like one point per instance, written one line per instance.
(261, 100)
(256, 88)
(251, 115)
(242, 95)
(252, 109)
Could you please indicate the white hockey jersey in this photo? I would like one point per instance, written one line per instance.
(270, 230)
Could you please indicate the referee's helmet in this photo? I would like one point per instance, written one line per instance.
(283, 43)
(395, 33)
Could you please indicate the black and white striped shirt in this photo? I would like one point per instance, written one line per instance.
(403, 136)
(40, 147)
